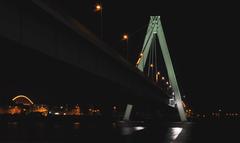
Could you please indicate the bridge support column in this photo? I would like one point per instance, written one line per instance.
(155, 28)
(127, 113)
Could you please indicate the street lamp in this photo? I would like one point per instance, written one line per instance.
(99, 9)
(125, 38)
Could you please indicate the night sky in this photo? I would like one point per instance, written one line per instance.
(202, 38)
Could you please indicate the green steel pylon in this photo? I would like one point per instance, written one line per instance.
(155, 27)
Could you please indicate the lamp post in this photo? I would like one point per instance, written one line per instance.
(125, 38)
(99, 9)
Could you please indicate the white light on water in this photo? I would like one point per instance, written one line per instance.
(175, 132)
(130, 130)
(138, 128)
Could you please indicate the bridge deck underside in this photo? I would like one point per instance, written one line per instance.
(54, 60)
(47, 80)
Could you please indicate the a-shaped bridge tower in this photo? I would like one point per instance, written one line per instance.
(154, 32)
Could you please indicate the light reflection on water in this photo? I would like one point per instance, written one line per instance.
(90, 132)
(76, 125)
(175, 131)
(12, 123)
(138, 128)
(123, 133)
(130, 130)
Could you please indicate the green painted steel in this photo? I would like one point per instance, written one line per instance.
(155, 27)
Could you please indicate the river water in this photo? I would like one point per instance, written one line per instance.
(49, 132)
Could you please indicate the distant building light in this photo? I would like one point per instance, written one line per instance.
(25, 97)
(56, 113)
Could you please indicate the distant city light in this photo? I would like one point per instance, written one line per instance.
(23, 96)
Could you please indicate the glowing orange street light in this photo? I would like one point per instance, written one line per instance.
(98, 7)
(125, 37)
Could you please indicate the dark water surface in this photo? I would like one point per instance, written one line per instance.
(190, 132)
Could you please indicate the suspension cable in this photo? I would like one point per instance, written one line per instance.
(152, 62)
(155, 51)
(138, 30)
(149, 60)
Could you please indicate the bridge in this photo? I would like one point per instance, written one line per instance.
(54, 54)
